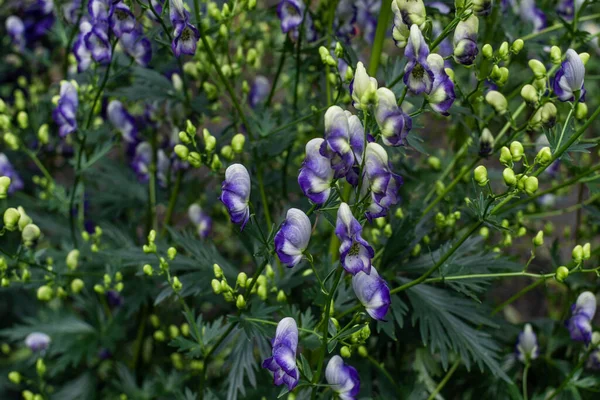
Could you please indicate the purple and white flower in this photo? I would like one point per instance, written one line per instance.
(582, 313)
(97, 42)
(200, 219)
(121, 19)
(393, 122)
(400, 31)
(71, 10)
(362, 88)
(355, 252)
(412, 11)
(65, 113)
(465, 41)
(418, 77)
(569, 78)
(142, 160)
(283, 360)
(122, 121)
(37, 341)
(185, 35)
(292, 238)
(259, 90)
(99, 10)
(235, 194)
(531, 13)
(527, 348)
(367, 12)
(290, 13)
(316, 174)
(6, 169)
(373, 293)
(343, 378)
(345, 17)
(442, 95)
(336, 146)
(82, 54)
(357, 140)
(384, 184)
(137, 46)
(16, 30)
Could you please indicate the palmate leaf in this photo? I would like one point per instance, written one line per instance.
(243, 366)
(448, 323)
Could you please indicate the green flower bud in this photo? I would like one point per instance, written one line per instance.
(544, 156)
(5, 282)
(182, 151)
(577, 253)
(587, 251)
(517, 46)
(159, 336)
(481, 176)
(43, 134)
(215, 163)
(240, 302)
(529, 94)
(380, 222)
(531, 185)
(561, 273)
(216, 286)
(210, 143)
(281, 297)
(218, 272)
(416, 250)
(171, 253)
(173, 331)
(223, 31)
(237, 143)
(44, 293)
(11, 141)
(555, 55)
(99, 289)
(26, 275)
(30, 234)
(184, 137)
(73, 259)
(497, 101)
(227, 152)
(176, 285)
(487, 51)
(77, 285)
(177, 82)
(440, 220)
(261, 280)
(509, 177)
(24, 220)
(148, 270)
(538, 68)
(549, 114)
(540, 84)
(339, 50)
(14, 377)
(495, 74)
(40, 367)
(538, 239)
(585, 57)
(23, 120)
(507, 241)
(581, 110)
(362, 351)
(516, 150)
(27, 395)
(262, 292)
(11, 218)
(387, 230)
(154, 320)
(503, 50)
(251, 56)
(185, 329)
(521, 232)
(345, 352)
(484, 232)
(4, 186)
(210, 90)
(195, 159)
(434, 163)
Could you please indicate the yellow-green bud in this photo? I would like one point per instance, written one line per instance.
(215, 163)
(549, 113)
(484, 232)
(171, 253)
(495, 74)
(529, 94)
(538, 239)
(531, 185)
(44, 293)
(481, 176)
(24, 220)
(43, 134)
(262, 292)
(581, 110)
(440, 220)
(99, 289)
(185, 329)
(562, 273)
(195, 159)
(538, 68)
(555, 55)
(11, 218)
(5, 282)
(154, 320)
(27, 395)
(237, 142)
(416, 250)
(242, 279)
(339, 50)
(509, 176)
(148, 269)
(177, 285)
(497, 101)
(387, 230)
(159, 336)
(11, 141)
(521, 232)
(227, 152)
(251, 56)
(269, 272)
(487, 51)
(544, 156)
(30, 234)
(345, 352)
(223, 31)
(434, 163)
(503, 50)
(577, 253)
(26, 275)
(14, 377)
(585, 57)
(40, 367)
(216, 286)
(23, 120)
(281, 297)
(349, 74)
(4, 186)
(251, 4)
(210, 143)
(517, 46)
(177, 82)
(182, 151)
(173, 331)
(587, 251)
(210, 90)
(540, 84)
(516, 150)
(73, 259)
(77, 285)
(217, 271)
(240, 302)
(184, 137)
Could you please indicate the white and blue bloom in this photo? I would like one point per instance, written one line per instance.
(527, 348)
(393, 122)
(142, 160)
(355, 252)
(582, 313)
(345, 18)
(292, 238)
(97, 42)
(283, 360)
(259, 91)
(400, 31)
(122, 121)
(441, 97)
(343, 378)
(336, 146)
(37, 341)
(82, 54)
(373, 293)
(235, 194)
(362, 88)
(412, 12)
(316, 174)
(357, 139)
(6, 169)
(65, 113)
(384, 184)
(569, 78)
(290, 13)
(465, 41)
(418, 77)
(185, 35)
(16, 30)
(200, 219)
(121, 19)
(99, 10)
(531, 13)
(137, 46)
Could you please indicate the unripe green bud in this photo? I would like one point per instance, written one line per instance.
(251, 56)
(184, 137)
(27, 395)
(481, 176)
(177, 285)
(517, 46)
(269, 272)
(262, 292)
(210, 143)
(349, 74)
(148, 269)
(185, 329)
(345, 352)
(487, 51)
(240, 302)
(171, 253)
(497, 101)
(159, 336)
(218, 272)
(216, 286)
(30, 234)
(182, 151)
(40, 367)
(173, 331)
(555, 55)
(538, 239)
(215, 163)
(539, 70)
(251, 4)
(521, 232)
(540, 84)
(44, 293)
(339, 50)
(516, 150)
(509, 177)
(210, 90)
(11, 218)
(4, 186)
(581, 110)
(495, 74)
(549, 114)
(242, 279)
(416, 250)
(529, 94)
(99, 289)
(4, 282)
(544, 156)
(177, 82)
(531, 185)
(585, 57)
(227, 152)
(195, 159)
(73, 259)
(24, 220)
(577, 253)
(23, 120)
(484, 232)
(503, 50)
(43, 134)
(434, 163)
(223, 31)
(11, 141)
(440, 220)
(237, 143)
(587, 251)
(77, 285)
(281, 297)
(562, 273)
(14, 377)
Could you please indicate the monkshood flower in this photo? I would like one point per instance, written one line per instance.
(569, 77)
(355, 252)
(531, 13)
(283, 360)
(82, 54)
(290, 13)
(362, 88)
(142, 160)
(121, 19)
(137, 46)
(482, 7)
(16, 29)
(6, 169)
(259, 91)
(527, 348)
(566, 9)
(367, 12)
(412, 11)
(345, 14)
(97, 42)
(236, 194)
(114, 299)
(122, 121)
(185, 36)
(316, 174)
(465, 41)
(373, 293)
(384, 184)
(71, 10)
(343, 378)
(99, 10)
(442, 95)
(356, 132)
(393, 122)
(38, 19)
(292, 238)
(336, 146)
(582, 312)
(37, 341)
(65, 112)
(200, 219)
(418, 77)
(400, 31)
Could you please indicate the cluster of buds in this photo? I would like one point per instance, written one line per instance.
(163, 263)
(94, 238)
(446, 221)
(499, 74)
(46, 185)
(16, 218)
(221, 286)
(207, 156)
(110, 284)
(164, 332)
(236, 147)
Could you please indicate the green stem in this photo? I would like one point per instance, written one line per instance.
(172, 201)
(525, 381)
(278, 73)
(39, 164)
(264, 321)
(152, 185)
(380, 367)
(573, 371)
(74, 31)
(380, 32)
(445, 380)
(516, 296)
(556, 27)
(566, 123)
(575, 207)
